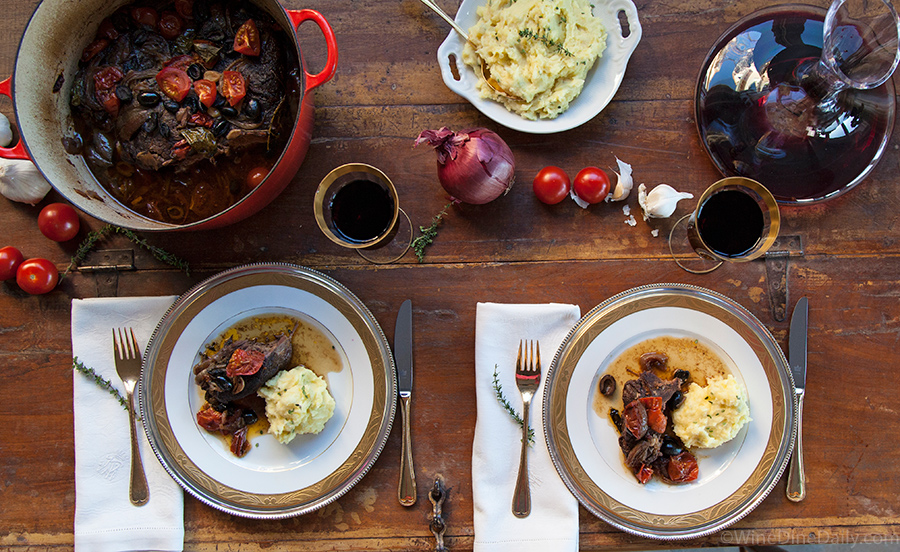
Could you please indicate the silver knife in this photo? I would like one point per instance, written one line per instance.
(406, 492)
(796, 482)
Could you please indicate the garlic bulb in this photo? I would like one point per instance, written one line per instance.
(5, 131)
(661, 201)
(21, 181)
(624, 182)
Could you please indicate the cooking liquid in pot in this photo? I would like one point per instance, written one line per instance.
(178, 160)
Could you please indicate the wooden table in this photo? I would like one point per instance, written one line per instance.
(387, 89)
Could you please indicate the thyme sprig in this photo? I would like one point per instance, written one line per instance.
(94, 237)
(428, 234)
(498, 390)
(99, 380)
(549, 42)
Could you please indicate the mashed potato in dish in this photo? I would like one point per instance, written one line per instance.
(712, 415)
(537, 50)
(297, 401)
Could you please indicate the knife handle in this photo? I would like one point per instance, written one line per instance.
(796, 482)
(406, 492)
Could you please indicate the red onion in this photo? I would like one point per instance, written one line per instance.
(474, 165)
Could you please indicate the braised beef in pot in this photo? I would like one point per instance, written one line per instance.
(181, 108)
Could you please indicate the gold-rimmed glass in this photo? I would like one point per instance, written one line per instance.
(374, 230)
(744, 228)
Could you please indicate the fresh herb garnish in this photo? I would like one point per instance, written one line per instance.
(100, 381)
(428, 234)
(549, 42)
(498, 390)
(90, 242)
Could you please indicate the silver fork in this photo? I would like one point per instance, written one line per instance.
(528, 379)
(128, 366)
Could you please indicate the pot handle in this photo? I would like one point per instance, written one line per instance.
(298, 17)
(17, 151)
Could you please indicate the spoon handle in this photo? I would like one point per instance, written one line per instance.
(446, 18)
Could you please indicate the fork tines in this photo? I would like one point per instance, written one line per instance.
(532, 357)
(125, 346)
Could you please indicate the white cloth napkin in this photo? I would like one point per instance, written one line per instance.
(105, 519)
(553, 523)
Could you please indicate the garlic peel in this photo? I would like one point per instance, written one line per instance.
(660, 202)
(21, 181)
(5, 131)
(624, 182)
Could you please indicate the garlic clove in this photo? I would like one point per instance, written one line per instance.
(624, 182)
(578, 201)
(21, 181)
(5, 131)
(661, 201)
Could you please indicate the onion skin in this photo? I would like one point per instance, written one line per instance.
(474, 165)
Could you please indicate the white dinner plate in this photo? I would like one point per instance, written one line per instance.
(733, 478)
(600, 85)
(272, 480)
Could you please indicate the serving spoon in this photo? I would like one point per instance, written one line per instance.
(485, 70)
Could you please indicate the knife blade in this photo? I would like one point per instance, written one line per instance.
(797, 341)
(406, 492)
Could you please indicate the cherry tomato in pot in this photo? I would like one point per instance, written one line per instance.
(145, 16)
(551, 185)
(185, 8)
(59, 222)
(206, 91)
(246, 40)
(10, 259)
(591, 184)
(170, 25)
(234, 88)
(256, 176)
(37, 276)
(174, 82)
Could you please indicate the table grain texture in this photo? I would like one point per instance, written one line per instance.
(387, 89)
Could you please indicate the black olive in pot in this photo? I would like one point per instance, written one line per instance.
(671, 446)
(616, 419)
(148, 99)
(171, 106)
(683, 375)
(192, 103)
(220, 101)
(164, 130)
(221, 127)
(675, 401)
(150, 124)
(228, 111)
(653, 361)
(607, 385)
(123, 93)
(195, 71)
(251, 109)
(73, 144)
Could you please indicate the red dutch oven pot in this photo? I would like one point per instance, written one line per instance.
(51, 46)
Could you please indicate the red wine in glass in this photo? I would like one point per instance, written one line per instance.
(731, 223)
(362, 210)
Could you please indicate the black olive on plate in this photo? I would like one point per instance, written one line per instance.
(251, 109)
(123, 93)
(653, 361)
(249, 417)
(150, 124)
(683, 375)
(228, 111)
(171, 106)
(148, 99)
(195, 71)
(675, 401)
(221, 127)
(607, 385)
(616, 419)
(224, 384)
(671, 446)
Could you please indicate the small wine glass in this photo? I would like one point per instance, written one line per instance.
(356, 206)
(735, 220)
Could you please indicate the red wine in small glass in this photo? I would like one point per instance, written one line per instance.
(731, 223)
(362, 210)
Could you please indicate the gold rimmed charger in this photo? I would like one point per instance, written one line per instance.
(734, 478)
(272, 480)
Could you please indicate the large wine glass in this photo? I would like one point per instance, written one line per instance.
(800, 99)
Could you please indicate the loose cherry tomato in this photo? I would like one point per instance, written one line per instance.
(37, 276)
(591, 184)
(10, 259)
(246, 41)
(170, 25)
(145, 16)
(206, 91)
(185, 8)
(256, 176)
(551, 185)
(683, 468)
(59, 222)
(233, 87)
(174, 82)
